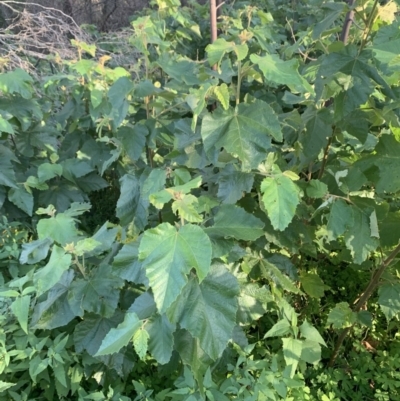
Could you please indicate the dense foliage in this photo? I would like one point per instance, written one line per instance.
(213, 223)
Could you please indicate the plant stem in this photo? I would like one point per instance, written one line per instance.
(213, 24)
(239, 82)
(325, 158)
(369, 26)
(213, 20)
(344, 35)
(373, 284)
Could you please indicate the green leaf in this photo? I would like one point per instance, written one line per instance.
(186, 207)
(191, 353)
(22, 199)
(77, 209)
(133, 140)
(37, 366)
(358, 238)
(168, 256)
(20, 308)
(389, 235)
(316, 189)
(35, 251)
(279, 329)
(140, 342)
(233, 221)
(47, 171)
(281, 72)
(245, 132)
(144, 306)
(5, 126)
(85, 246)
(17, 81)
(386, 159)
(97, 293)
(341, 316)
(310, 352)
(313, 285)
(90, 332)
(182, 69)
(55, 311)
(341, 217)
(160, 198)
(46, 277)
(292, 353)
(133, 202)
(208, 310)
(60, 228)
(222, 93)
(117, 95)
(252, 301)
(386, 44)
(233, 184)
(270, 271)
(127, 266)
(120, 336)
(318, 128)
(96, 97)
(362, 77)
(161, 340)
(5, 386)
(217, 50)
(280, 197)
(311, 333)
(389, 299)
(335, 12)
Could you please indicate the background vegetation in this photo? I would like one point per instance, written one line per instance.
(187, 220)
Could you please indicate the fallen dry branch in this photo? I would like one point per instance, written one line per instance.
(31, 36)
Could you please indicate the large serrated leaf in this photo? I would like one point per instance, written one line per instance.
(168, 256)
(217, 49)
(161, 340)
(133, 202)
(55, 311)
(245, 132)
(358, 238)
(389, 299)
(280, 197)
(208, 310)
(60, 228)
(280, 72)
(233, 184)
(341, 217)
(97, 293)
(90, 332)
(22, 199)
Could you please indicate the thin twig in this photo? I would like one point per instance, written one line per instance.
(372, 285)
(306, 57)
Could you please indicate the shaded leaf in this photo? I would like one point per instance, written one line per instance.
(208, 310)
(233, 221)
(161, 340)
